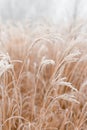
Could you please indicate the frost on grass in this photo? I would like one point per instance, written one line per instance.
(43, 79)
(5, 64)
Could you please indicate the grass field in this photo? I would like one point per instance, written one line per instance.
(43, 77)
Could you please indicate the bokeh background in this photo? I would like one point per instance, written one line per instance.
(49, 10)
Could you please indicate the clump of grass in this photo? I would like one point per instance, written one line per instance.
(43, 79)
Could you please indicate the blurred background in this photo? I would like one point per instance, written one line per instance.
(49, 10)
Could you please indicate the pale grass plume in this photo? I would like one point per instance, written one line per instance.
(43, 78)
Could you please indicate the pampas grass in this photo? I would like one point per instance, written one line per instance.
(43, 78)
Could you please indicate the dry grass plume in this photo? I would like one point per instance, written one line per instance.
(43, 77)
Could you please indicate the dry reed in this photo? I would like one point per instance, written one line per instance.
(43, 78)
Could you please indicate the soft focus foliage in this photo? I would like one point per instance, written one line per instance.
(43, 77)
